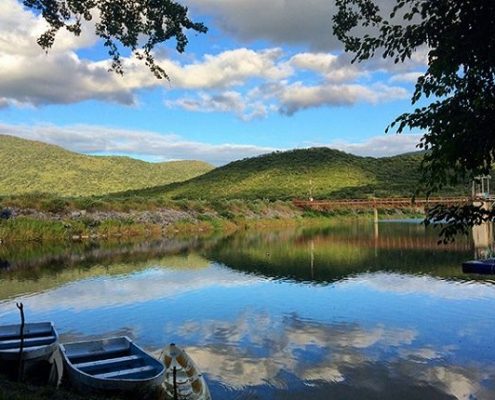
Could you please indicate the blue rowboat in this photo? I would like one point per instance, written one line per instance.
(115, 364)
(39, 361)
(40, 341)
(479, 266)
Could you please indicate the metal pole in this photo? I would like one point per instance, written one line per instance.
(175, 383)
(312, 258)
(20, 374)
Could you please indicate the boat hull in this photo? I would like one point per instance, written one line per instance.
(479, 267)
(110, 365)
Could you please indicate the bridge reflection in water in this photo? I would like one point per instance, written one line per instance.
(483, 236)
(483, 240)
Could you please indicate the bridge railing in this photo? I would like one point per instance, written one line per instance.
(381, 202)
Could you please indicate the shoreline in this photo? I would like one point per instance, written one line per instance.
(32, 225)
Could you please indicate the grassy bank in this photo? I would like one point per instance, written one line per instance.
(178, 218)
(36, 222)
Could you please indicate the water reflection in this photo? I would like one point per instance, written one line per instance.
(36, 267)
(333, 313)
(483, 240)
(139, 286)
(331, 254)
(311, 360)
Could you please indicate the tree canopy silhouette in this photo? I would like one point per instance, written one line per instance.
(138, 25)
(459, 86)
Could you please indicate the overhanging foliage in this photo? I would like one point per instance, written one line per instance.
(459, 85)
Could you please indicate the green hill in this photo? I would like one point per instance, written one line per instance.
(29, 166)
(319, 172)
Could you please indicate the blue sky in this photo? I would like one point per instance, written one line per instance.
(267, 76)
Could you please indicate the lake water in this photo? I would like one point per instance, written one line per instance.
(350, 311)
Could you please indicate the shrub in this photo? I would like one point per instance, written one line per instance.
(6, 213)
(54, 205)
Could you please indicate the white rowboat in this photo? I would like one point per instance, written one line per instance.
(183, 380)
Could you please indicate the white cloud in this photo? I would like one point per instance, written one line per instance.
(60, 79)
(289, 98)
(229, 68)
(407, 77)
(297, 96)
(248, 83)
(19, 30)
(143, 144)
(229, 101)
(63, 77)
(379, 146)
(321, 62)
(95, 139)
(334, 68)
(31, 77)
(339, 68)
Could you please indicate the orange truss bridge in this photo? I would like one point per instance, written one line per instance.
(390, 202)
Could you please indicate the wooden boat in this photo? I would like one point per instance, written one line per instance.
(114, 364)
(183, 380)
(479, 266)
(40, 341)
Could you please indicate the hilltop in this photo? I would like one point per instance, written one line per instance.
(301, 173)
(31, 166)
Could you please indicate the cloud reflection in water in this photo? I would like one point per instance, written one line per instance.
(343, 361)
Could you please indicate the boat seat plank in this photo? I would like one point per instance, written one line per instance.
(125, 373)
(102, 354)
(28, 342)
(109, 362)
(26, 349)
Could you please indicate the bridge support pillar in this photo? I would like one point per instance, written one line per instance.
(375, 215)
